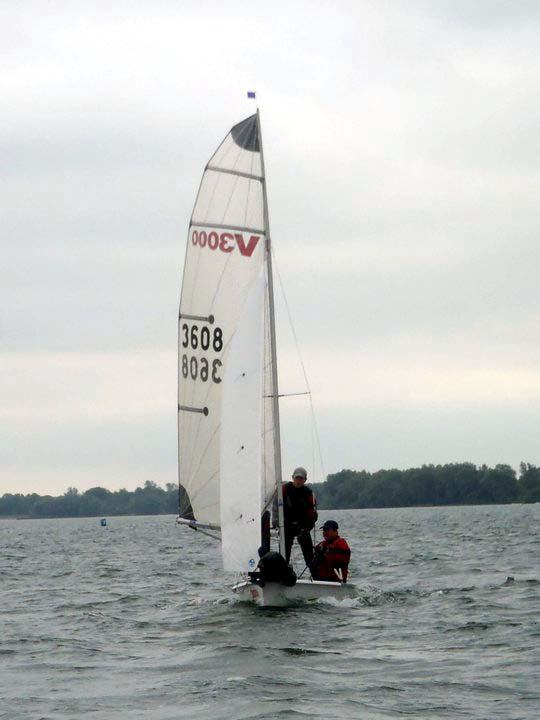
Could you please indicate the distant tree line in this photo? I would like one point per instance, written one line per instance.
(452, 484)
(147, 500)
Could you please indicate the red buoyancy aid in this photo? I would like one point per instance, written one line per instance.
(331, 556)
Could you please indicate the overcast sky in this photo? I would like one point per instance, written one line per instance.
(402, 145)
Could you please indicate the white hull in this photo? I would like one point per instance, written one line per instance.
(277, 595)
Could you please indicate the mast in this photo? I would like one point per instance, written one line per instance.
(275, 398)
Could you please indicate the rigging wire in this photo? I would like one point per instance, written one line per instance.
(315, 429)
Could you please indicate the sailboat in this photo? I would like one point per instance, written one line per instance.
(228, 403)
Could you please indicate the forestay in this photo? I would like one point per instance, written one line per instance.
(225, 256)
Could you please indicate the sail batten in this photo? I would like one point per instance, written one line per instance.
(234, 172)
(224, 226)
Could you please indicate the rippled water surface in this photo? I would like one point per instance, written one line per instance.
(135, 620)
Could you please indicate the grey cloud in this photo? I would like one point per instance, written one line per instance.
(401, 143)
(482, 14)
(114, 454)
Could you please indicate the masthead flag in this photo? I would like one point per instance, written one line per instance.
(251, 94)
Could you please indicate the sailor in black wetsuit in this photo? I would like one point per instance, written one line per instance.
(300, 514)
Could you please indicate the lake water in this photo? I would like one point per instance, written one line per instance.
(135, 620)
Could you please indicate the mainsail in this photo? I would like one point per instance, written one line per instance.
(227, 258)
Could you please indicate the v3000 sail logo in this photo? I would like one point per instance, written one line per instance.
(225, 241)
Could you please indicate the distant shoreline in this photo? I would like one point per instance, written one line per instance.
(450, 485)
(325, 509)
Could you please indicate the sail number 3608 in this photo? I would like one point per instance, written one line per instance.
(200, 368)
(206, 338)
(203, 339)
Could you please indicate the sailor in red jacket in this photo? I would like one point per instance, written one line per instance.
(332, 555)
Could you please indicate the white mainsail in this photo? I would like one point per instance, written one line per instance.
(226, 255)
